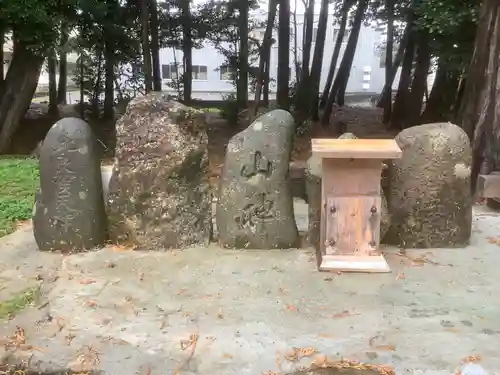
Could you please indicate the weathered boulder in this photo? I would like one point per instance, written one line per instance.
(255, 206)
(69, 212)
(159, 193)
(430, 200)
(313, 187)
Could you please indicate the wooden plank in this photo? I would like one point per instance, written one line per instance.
(343, 263)
(352, 225)
(488, 185)
(343, 177)
(356, 148)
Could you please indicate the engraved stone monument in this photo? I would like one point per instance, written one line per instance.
(255, 206)
(159, 192)
(69, 210)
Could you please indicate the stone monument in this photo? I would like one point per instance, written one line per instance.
(255, 206)
(69, 212)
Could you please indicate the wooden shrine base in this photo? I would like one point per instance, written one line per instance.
(352, 263)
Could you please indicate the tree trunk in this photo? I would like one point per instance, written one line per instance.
(442, 95)
(419, 82)
(242, 83)
(317, 62)
(302, 94)
(336, 53)
(386, 93)
(282, 95)
(51, 67)
(20, 85)
(295, 45)
(155, 45)
(82, 89)
(2, 57)
(187, 50)
(350, 51)
(339, 85)
(146, 50)
(264, 55)
(63, 65)
(387, 104)
(267, 80)
(109, 62)
(480, 114)
(402, 96)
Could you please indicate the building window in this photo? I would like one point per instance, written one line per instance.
(227, 73)
(170, 71)
(200, 72)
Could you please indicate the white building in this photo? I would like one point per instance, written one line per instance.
(211, 79)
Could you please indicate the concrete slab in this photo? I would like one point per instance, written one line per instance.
(125, 312)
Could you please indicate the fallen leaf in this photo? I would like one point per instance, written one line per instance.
(92, 304)
(493, 240)
(87, 281)
(291, 308)
(472, 359)
(388, 348)
(344, 314)
(305, 352)
(291, 355)
(193, 339)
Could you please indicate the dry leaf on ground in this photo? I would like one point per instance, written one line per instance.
(291, 308)
(344, 314)
(493, 240)
(87, 281)
(185, 344)
(92, 304)
(472, 359)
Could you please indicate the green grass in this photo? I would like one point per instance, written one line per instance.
(18, 184)
(19, 302)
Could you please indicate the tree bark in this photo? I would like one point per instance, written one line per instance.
(419, 82)
(146, 50)
(155, 45)
(242, 83)
(282, 95)
(264, 55)
(317, 62)
(109, 62)
(402, 96)
(387, 104)
(339, 85)
(2, 57)
(63, 65)
(336, 53)
(51, 67)
(295, 45)
(302, 95)
(480, 114)
(386, 93)
(20, 85)
(187, 50)
(442, 96)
